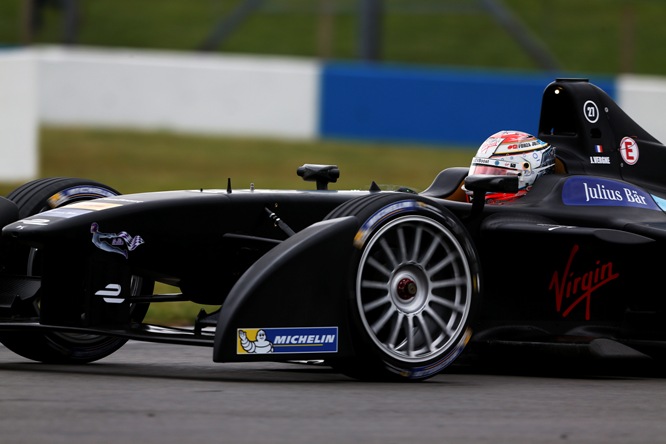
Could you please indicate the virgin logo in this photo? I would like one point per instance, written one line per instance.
(572, 290)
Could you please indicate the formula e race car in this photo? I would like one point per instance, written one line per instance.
(380, 285)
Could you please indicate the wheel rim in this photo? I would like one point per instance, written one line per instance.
(414, 288)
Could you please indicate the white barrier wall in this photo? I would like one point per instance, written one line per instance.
(19, 121)
(644, 99)
(179, 91)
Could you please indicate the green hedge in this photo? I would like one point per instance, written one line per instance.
(591, 36)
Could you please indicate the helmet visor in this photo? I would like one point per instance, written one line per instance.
(496, 167)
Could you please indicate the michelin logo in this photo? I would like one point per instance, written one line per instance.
(287, 340)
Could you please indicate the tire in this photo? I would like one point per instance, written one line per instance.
(414, 286)
(55, 347)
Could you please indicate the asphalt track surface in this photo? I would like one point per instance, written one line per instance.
(156, 393)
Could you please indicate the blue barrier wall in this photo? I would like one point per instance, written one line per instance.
(432, 106)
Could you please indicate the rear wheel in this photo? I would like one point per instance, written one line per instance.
(414, 285)
(55, 347)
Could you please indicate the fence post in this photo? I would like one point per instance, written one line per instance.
(370, 29)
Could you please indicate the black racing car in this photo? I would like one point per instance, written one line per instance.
(377, 284)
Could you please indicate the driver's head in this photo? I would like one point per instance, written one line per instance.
(513, 153)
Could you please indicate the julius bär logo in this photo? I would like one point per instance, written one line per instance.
(573, 289)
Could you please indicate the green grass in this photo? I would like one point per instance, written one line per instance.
(135, 161)
(142, 161)
(591, 36)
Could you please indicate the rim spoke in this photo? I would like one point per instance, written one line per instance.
(377, 303)
(447, 303)
(410, 336)
(393, 337)
(440, 322)
(425, 331)
(430, 252)
(418, 234)
(443, 263)
(379, 266)
(389, 253)
(402, 245)
(377, 285)
(383, 320)
(458, 281)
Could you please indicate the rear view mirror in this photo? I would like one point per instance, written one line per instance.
(481, 184)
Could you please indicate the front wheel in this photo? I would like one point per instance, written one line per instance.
(414, 286)
(56, 347)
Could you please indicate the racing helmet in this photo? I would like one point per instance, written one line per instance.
(516, 153)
